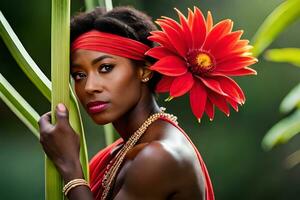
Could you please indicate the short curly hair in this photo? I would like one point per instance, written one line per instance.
(124, 21)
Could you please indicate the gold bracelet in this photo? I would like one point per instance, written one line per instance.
(74, 183)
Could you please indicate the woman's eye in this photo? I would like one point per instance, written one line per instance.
(78, 75)
(106, 67)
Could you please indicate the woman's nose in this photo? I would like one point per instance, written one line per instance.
(93, 84)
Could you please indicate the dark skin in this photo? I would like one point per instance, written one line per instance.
(163, 164)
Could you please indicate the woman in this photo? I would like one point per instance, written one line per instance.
(114, 81)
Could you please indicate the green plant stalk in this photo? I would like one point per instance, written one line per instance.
(39, 79)
(108, 128)
(76, 123)
(60, 39)
(284, 15)
(91, 4)
(19, 106)
(106, 4)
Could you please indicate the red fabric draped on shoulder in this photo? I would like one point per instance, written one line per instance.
(100, 161)
(98, 166)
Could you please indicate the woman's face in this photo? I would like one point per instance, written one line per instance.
(107, 86)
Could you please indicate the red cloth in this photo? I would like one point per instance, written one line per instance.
(100, 161)
(98, 166)
(110, 43)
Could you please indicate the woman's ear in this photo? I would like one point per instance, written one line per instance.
(145, 73)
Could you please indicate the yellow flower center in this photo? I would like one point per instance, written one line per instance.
(204, 61)
(200, 62)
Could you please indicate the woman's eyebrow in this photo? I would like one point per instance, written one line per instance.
(100, 58)
(73, 65)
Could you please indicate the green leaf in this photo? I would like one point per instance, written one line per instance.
(19, 106)
(283, 131)
(24, 60)
(284, 15)
(291, 100)
(91, 4)
(289, 55)
(293, 160)
(76, 123)
(106, 4)
(109, 133)
(39, 79)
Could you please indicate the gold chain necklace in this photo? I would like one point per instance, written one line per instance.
(111, 172)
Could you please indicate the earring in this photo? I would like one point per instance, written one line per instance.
(145, 79)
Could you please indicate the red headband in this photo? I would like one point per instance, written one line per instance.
(110, 43)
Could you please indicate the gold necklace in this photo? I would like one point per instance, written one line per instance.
(111, 172)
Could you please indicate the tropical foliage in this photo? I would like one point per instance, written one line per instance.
(279, 20)
(59, 90)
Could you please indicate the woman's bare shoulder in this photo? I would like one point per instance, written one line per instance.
(154, 165)
(160, 157)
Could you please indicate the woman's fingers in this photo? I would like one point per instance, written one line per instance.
(62, 114)
(45, 122)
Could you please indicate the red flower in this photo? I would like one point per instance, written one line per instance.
(198, 57)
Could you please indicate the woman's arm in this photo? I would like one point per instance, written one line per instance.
(62, 146)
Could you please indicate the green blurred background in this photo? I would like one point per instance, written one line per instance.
(231, 147)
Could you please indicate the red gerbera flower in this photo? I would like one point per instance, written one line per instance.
(198, 57)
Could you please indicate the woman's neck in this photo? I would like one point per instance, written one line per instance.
(133, 119)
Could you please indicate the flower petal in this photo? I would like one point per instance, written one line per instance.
(240, 72)
(231, 88)
(164, 84)
(190, 18)
(171, 22)
(198, 28)
(226, 44)
(212, 84)
(210, 110)
(241, 43)
(161, 38)
(209, 21)
(233, 104)
(219, 101)
(217, 32)
(181, 85)
(175, 36)
(170, 66)
(159, 52)
(198, 97)
(235, 63)
(185, 28)
(245, 51)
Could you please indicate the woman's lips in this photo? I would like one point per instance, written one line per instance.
(97, 106)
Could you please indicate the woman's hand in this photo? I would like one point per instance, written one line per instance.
(61, 143)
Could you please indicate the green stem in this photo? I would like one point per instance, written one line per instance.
(106, 4)
(60, 39)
